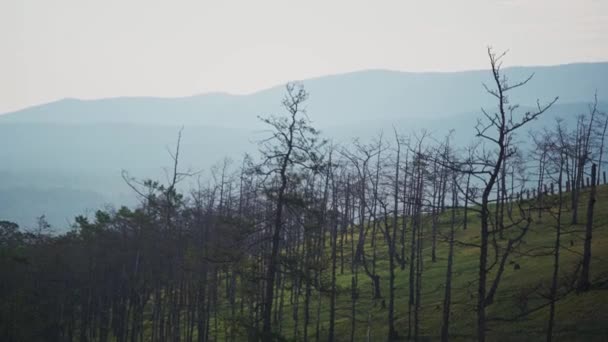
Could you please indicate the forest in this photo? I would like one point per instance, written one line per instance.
(402, 237)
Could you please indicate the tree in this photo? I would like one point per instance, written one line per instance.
(584, 283)
(416, 244)
(293, 144)
(447, 298)
(497, 129)
(558, 158)
(582, 153)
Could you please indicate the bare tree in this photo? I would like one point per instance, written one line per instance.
(558, 158)
(447, 298)
(582, 153)
(584, 283)
(292, 144)
(497, 129)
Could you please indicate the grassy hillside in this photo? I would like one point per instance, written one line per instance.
(40, 274)
(579, 317)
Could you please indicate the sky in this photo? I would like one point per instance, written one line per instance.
(89, 49)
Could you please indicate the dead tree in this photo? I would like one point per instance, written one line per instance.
(582, 154)
(497, 129)
(447, 297)
(559, 158)
(293, 144)
(584, 283)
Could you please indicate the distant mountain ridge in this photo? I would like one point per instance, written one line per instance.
(79, 147)
(335, 99)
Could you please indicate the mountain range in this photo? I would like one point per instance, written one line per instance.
(66, 157)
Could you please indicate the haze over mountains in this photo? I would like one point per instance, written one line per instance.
(65, 157)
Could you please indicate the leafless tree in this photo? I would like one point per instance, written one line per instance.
(497, 129)
(292, 144)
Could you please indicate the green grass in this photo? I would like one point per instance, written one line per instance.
(580, 317)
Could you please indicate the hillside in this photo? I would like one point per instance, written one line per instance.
(579, 317)
(349, 243)
(519, 311)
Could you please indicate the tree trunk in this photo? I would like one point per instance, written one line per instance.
(584, 281)
(447, 298)
(553, 295)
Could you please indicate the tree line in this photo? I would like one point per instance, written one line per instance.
(286, 245)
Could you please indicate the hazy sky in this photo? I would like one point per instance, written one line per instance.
(52, 49)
